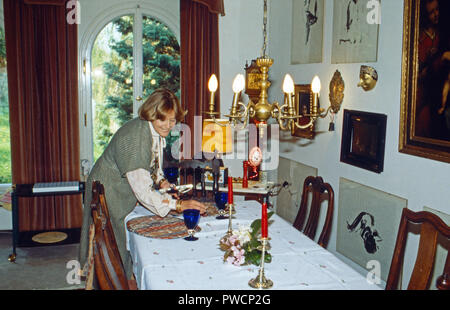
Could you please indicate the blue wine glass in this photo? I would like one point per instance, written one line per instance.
(171, 174)
(191, 218)
(221, 199)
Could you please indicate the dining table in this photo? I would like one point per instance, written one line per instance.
(298, 263)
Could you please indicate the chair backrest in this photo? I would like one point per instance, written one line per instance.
(320, 191)
(109, 270)
(431, 227)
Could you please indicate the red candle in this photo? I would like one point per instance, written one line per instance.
(264, 225)
(230, 190)
(244, 179)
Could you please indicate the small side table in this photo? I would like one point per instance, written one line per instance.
(26, 190)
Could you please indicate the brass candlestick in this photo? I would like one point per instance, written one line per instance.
(230, 215)
(261, 281)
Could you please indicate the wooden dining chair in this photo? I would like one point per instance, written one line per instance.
(107, 264)
(320, 192)
(431, 227)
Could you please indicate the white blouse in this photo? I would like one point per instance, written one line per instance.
(141, 181)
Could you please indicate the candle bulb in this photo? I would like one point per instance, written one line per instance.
(230, 190)
(238, 86)
(212, 86)
(315, 88)
(288, 89)
(264, 226)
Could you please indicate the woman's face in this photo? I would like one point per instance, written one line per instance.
(163, 127)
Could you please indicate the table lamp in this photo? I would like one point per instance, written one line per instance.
(216, 140)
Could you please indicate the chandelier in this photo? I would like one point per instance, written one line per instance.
(286, 115)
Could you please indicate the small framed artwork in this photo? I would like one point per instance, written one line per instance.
(307, 31)
(367, 224)
(355, 31)
(363, 140)
(303, 100)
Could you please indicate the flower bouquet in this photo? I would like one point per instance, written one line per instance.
(241, 248)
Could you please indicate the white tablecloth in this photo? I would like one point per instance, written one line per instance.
(297, 261)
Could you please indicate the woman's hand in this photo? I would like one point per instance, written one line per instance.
(193, 204)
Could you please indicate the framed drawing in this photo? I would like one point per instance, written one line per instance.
(307, 31)
(368, 221)
(355, 31)
(425, 103)
(303, 101)
(363, 140)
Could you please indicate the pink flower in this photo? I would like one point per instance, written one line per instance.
(230, 259)
(232, 239)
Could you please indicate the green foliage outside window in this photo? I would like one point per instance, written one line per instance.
(112, 72)
(5, 144)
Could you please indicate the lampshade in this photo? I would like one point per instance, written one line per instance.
(217, 138)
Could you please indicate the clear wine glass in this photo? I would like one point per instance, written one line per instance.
(191, 218)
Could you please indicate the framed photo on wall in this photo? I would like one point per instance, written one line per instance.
(425, 86)
(307, 31)
(363, 140)
(303, 100)
(355, 31)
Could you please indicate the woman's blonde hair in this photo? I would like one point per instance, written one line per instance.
(159, 103)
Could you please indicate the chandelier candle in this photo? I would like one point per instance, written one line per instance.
(264, 226)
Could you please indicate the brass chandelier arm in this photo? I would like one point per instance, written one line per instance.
(241, 116)
(276, 110)
(311, 123)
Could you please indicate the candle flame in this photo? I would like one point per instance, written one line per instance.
(238, 83)
(212, 84)
(315, 85)
(288, 84)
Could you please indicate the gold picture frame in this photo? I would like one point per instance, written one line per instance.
(303, 100)
(420, 133)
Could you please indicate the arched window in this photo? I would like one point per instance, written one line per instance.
(124, 58)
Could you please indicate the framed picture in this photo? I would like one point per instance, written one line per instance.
(363, 140)
(425, 103)
(367, 224)
(307, 31)
(303, 101)
(355, 31)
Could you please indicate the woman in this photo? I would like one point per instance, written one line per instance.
(130, 170)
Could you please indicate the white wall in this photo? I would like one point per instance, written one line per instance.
(240, 41)
(421, 181)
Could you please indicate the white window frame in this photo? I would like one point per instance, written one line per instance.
(159, 10)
